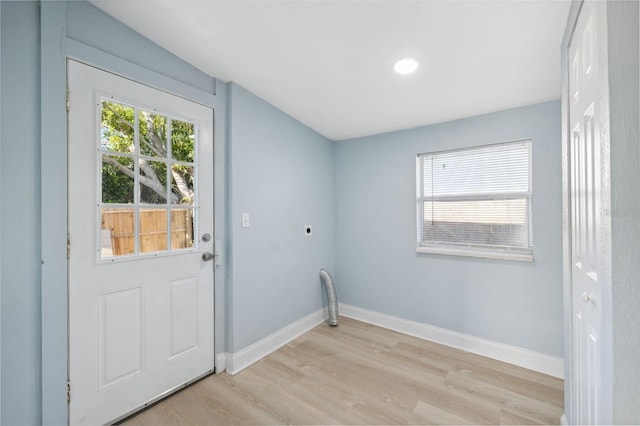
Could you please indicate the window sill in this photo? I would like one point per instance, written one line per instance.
(504, 254)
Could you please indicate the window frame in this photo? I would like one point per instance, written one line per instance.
(488, 251)
(138, 206)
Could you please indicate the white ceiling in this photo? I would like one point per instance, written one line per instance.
(329, 64)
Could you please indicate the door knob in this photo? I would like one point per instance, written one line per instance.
(585, 297)
(207, 256)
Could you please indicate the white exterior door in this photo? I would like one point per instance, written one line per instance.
(140, 206)
(586, 195)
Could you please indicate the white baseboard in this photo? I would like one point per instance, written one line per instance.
(536, 361)
(221, 362)
(242, 359)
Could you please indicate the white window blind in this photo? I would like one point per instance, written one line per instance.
(477, 199)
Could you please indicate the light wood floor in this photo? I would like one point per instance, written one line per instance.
(361, 374)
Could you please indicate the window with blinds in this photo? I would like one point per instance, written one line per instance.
(476, 201)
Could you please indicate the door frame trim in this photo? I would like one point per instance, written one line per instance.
(569, 403)
(54, 303)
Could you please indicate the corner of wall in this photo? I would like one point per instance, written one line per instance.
(1, 422)
(229, 258)
(281, 173)
(623, 35)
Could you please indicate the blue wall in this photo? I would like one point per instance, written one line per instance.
(91, 26)
(623, 348)
(282, 175)
(377, 267)
(358, 196)
(20, 214)
(33, 311)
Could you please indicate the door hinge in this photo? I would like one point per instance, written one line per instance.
(68, 247)
(67, 100)
(68, 392)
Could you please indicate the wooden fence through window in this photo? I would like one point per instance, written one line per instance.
(118, 230)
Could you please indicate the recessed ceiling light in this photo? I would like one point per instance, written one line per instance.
(405, 66)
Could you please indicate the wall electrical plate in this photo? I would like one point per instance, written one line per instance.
(246, 220)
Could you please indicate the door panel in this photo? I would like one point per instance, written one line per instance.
(120, 326)
(183, 316)
(586, 223)
(140, 194)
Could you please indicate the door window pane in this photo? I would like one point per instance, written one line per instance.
(117, 130)
(182, 185)
(183, 137)
(117, 180)
(147, 161)
(117, 232)
(181, 229)
(153, 134)
(153, 182)
(153, 230)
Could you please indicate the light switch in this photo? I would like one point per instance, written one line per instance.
(246, 221)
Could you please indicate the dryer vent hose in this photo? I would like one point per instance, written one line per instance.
(332, 298)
